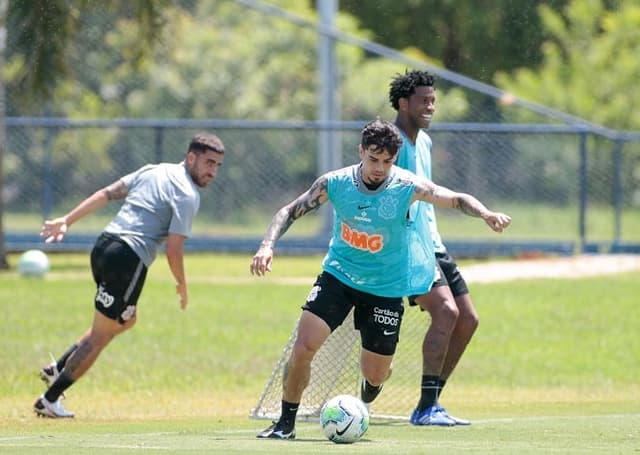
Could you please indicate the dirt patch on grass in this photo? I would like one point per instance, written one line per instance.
(578, 266)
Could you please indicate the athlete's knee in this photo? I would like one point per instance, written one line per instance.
(440, 304)
(444, 312)
(469, 321)
(312, 333)
(468, 318)
(375, 375)
(303, 351)
(128, 324)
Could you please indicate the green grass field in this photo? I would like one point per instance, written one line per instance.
(553, 368)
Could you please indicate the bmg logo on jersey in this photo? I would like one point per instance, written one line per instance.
(362, 240)
(385, 316)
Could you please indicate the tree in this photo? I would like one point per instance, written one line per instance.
(38, 35)
(590, 64)
(472, 37)
(589, 70)
(217, 60)
(4, 264)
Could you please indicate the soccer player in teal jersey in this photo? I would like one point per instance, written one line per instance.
(160, 202)
(374, 259)
(453, 316)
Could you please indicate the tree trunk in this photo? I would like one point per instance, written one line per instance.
(3, 136)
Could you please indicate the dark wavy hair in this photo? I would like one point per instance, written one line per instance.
(202, 142)
(382, 135)
(404, 85)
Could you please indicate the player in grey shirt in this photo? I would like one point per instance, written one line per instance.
(162, 200)
(160, 203)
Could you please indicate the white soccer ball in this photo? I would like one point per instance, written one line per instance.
(33, 263)
(344, 419)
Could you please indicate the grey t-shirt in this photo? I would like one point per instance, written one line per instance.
(162, 198)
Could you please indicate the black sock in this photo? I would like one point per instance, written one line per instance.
(370, 392)
(289, 411)
(63, 360)
(441, 383)
(429, 392)
(61, 384)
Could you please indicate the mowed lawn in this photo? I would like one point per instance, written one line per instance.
(553, 368)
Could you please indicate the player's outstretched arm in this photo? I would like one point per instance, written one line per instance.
(444, 197)
(57, 228)
(175, 258)
(307, 202)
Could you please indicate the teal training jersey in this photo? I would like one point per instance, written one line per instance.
(372, 249)
(417, 159)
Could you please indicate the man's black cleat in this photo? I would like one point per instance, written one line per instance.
(278, 431)
(368, 393)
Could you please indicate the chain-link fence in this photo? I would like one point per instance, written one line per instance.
(567, 188)
(568, 184)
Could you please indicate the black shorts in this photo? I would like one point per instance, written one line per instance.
(377, 318)
(119, 275)
(447, 274)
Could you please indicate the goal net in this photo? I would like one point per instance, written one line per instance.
(336, 370)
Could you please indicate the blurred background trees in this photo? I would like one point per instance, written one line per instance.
(198, 59)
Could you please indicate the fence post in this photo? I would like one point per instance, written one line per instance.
(328, 139)
(617, 190)
(159, 141)
(583, 191)
(47, 177)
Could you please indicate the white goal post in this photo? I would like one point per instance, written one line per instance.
(336, 369)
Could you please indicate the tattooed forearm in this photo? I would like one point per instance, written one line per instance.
(279, 225)
(469, 205)
(308, 202)
(116, 191)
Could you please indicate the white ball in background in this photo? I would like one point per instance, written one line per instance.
(33, 263)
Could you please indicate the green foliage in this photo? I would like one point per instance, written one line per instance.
(589, 65)
(40, 31)
(475, 38)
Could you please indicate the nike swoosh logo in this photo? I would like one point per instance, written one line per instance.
(340, 433)
(387, 332)
(362, 207)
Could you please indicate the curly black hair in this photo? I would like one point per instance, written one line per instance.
(404, 85)
(383, 135)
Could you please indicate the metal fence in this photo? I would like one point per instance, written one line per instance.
(568, 189)
(569, 185)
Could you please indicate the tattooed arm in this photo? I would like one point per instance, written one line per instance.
(427, 191)
(307, 202)
(56, 229)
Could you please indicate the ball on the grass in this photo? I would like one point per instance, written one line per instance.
(344, 419)
(33, 263)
